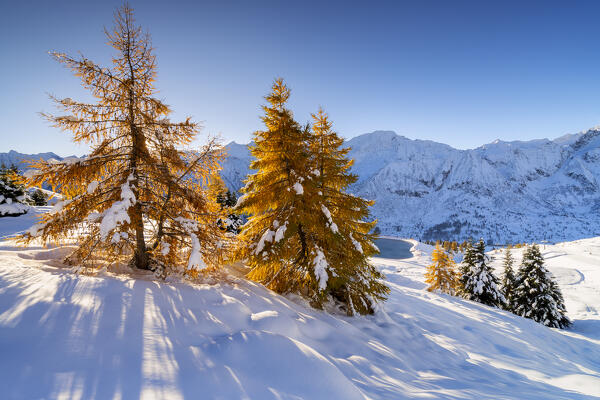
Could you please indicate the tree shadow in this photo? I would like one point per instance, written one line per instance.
(62, 335)
(73, 343)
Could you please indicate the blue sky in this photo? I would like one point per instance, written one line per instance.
(462, 73)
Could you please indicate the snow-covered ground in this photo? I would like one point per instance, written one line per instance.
(129, 336)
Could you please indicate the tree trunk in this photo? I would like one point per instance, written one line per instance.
(140, 258)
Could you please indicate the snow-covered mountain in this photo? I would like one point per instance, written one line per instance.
(17, 159)
(503, 191)
(236, 165)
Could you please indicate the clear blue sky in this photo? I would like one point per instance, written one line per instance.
(458, 72)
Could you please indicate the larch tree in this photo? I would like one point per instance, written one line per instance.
(477, 279)
(139, 195)
(274, 240)
(508, 280)
(304, 233)
(343, 235)
(441, 274)
(536, 294)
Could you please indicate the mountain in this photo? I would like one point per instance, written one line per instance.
(503, 191)
(236, 166)
(17, 159)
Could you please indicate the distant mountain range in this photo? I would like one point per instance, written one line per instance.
(505, 192)
(15, 158)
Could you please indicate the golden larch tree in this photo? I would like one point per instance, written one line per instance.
(274, 239)
(140, 195)
(441, 274)
(291, 241)
(343, 233)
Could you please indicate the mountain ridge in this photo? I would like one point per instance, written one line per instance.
(503, 191)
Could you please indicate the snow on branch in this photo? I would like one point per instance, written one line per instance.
(327, 214)
(195, 261)
(321, 266)
(117, 213)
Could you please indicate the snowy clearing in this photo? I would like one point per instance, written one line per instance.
(129, 336)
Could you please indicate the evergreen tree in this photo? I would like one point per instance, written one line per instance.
(139, 195)
(13, 198)
(230, 199)
(508, 280)
(233, 222)
(477, 280)
(536, 294)
(38, 198)
(221, 199)
(440, 274)
(293, 242)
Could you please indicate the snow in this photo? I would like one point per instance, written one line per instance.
(356, 244)
(165, 248)
(332, 224)
(64, 335)
(269, 235)
(527, 190)
(117, 213)
(13, 208)
(58, 206)
(118, 236)
(92, 187)
(266, 237)
(11, 226)
(298, 188)
(36, 229)
(94, 216)
(239, 201)
(321, 266)
(263, 314)
(195, 261)
(280, 233)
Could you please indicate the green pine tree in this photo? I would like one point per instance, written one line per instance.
(508, 280)
(233, 222)
(13, 198)
(536, 294)
(477, 279)
(38, 198)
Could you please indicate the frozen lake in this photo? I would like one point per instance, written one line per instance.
(394, 248)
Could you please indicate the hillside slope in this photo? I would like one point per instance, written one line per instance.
(129, 336)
